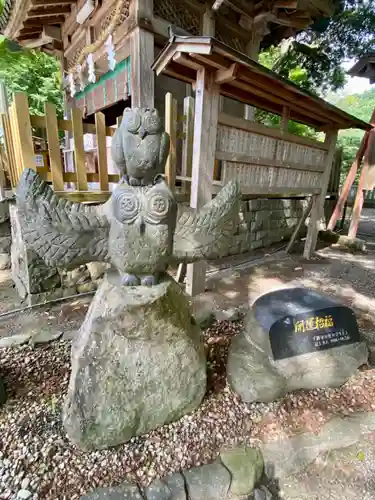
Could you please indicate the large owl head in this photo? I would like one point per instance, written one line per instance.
(142, 121)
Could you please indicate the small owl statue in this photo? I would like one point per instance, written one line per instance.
(140, 146)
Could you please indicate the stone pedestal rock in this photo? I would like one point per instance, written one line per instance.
(137, 363)
(294, 339)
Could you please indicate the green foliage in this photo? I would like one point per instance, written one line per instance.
(361, 106)
(32, 72)
(320, 50)
(271, 59)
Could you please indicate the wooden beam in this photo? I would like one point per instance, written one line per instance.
(257, 128)
(186, 61)
(242, 95)
(102, 150)
(292, 20)
(28, 31)
(318, 201)
(208, 23)
(47, 3)
(231, 27)
(204, 145)
(284, 120)
(22, 122)
(57, 170)
(38, 42)
(214, 60)
(244, 8)
(218, 4)
(79, 151)
(52, 11)
(142, 76)
(37, 22)
(53, 32)
(31, 36)
(286, 4)
(297, 229)
(226, 75)
(171, 129)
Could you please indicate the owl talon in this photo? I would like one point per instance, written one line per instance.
(129, 280)
(151, 280)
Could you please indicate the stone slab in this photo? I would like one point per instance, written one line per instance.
(208, 482)
(246, 468)
(123, 492)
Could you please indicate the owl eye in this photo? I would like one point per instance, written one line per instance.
(132, 120)
(151, 123)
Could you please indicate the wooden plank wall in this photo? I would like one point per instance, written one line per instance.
(268, 160)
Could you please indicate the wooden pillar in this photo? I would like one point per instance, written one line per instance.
(284, 120)
(252, 50)
(207, 95)
(208, 23)
(142, 77)
(318, 200)
(3, 111)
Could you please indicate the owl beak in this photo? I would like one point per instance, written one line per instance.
(142, 133)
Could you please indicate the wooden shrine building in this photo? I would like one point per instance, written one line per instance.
(106, 47)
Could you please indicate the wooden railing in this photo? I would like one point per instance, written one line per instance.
(264, 160)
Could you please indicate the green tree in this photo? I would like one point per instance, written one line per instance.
(321, 49)
(361, 106)
(32, 72)
(299, 76)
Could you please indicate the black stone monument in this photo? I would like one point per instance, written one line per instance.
(300, 321)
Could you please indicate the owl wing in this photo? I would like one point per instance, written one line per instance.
(208, 233)
(117, 150)
(164, 149)
(62, 233)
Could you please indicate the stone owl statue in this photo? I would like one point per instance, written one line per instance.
(140, 146)
(140, 230)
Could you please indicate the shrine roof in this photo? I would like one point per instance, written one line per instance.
(245, 80)
(364, 67)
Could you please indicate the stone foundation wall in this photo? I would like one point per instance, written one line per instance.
(5, 236)
(37, 282)
(263, 222)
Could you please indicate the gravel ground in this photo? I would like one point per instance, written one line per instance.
(36, 457)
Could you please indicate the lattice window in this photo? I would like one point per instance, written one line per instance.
(232, 41)
(6, 13)
(178, 14)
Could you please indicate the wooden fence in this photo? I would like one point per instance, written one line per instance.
(266, 161)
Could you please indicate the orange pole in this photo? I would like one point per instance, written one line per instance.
(350, 178)
(348, 184)
(358, 204)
